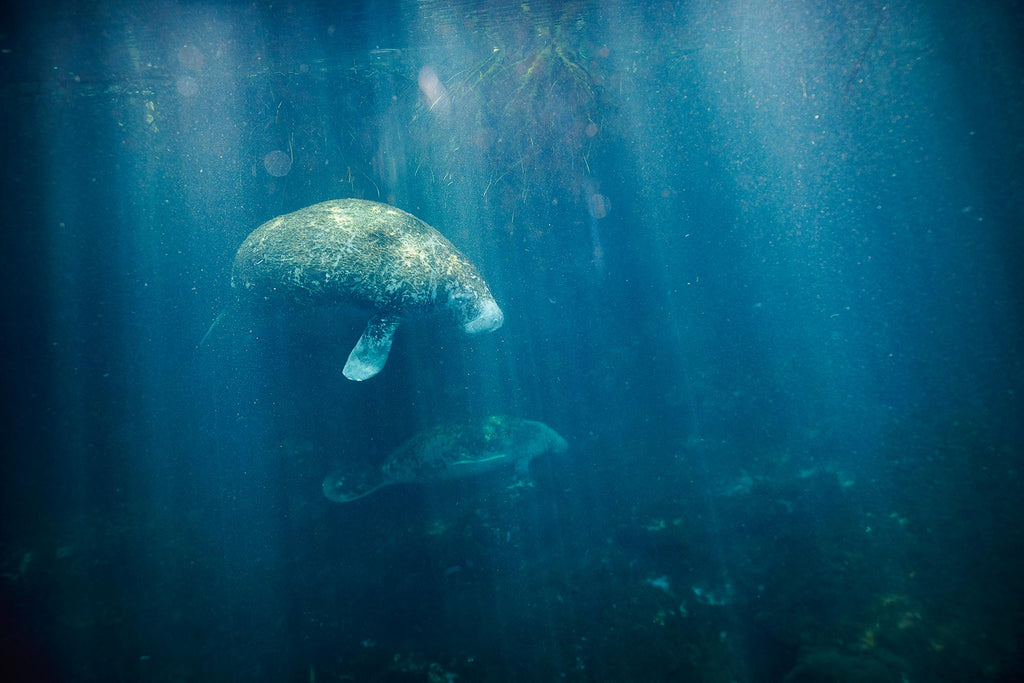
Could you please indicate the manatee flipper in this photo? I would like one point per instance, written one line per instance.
(371, 351)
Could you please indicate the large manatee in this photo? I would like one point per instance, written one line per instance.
(450, 451)
(368, 255)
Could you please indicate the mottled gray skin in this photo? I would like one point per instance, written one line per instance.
(370, 256)
(451, 451)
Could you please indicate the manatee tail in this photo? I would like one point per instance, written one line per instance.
(202, 342)
(340, 488)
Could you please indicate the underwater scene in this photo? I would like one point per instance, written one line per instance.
(513, 341)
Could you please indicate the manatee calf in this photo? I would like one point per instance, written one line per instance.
(370, 256)
(451, 451)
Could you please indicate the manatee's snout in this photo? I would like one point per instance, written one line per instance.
(489, 319)
(560, 444)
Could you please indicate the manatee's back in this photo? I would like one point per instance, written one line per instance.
(447, 451)
(348, 251)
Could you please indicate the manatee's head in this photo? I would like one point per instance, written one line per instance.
(545, 439)
(472, 304)
(349, 485)
(488, 317)
(525, 438)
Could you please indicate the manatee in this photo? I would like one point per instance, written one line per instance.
(369, 256)
(450, 451)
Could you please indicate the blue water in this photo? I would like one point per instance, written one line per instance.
(760, 265)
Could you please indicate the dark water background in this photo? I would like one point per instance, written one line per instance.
(760, 264)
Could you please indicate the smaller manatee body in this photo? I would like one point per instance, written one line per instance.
(451, 451)
(368, 256)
